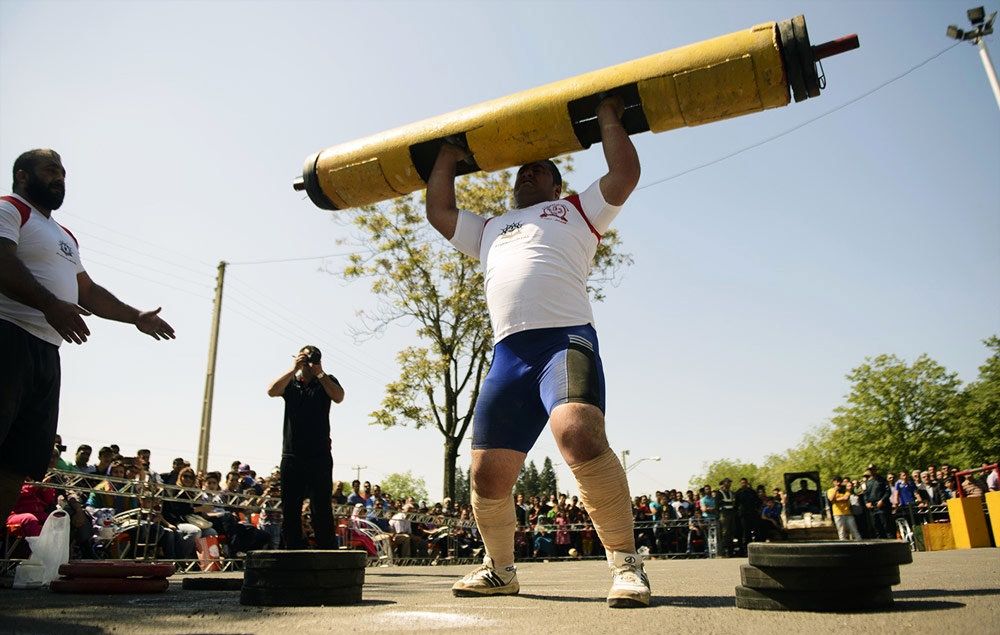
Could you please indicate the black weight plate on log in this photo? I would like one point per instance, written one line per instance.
(307, 559)
(300, 597)
(792, 62)
(833, 600)
(865, 553)
(809, 75)
(278, 579)
(211, 583)
(818, 579)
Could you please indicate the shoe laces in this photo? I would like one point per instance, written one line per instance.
(630, 574)
(478, 572)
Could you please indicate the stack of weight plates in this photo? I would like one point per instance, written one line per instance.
(303, 578)
(114, 576)
(821, 576)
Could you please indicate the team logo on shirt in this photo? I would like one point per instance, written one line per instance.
(556, 211)
(66, 249)
(509, 229)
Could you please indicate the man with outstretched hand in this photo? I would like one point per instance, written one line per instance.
(45, 292)
(546, 362)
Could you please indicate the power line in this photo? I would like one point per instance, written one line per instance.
(300, 318)
(160, 271)
(268, 262)
(138, 251)
(135, 238)
(132, 273)
(292, 331)
(804, 123)
(372, 373)
(284, 333)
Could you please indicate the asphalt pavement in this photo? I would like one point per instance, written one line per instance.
(941, 592)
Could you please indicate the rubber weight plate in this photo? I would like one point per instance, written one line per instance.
(829, 601)
(211, 583)
(818, 579)
(867, 553)
(109, 585)
(307, 559)
(300, 597)
(280, 579)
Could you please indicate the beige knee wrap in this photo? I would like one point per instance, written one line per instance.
(604, 492)
(496, 522)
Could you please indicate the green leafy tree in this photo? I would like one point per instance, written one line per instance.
(714, 472)
(978, 435)
(547, 478)
(463, 486)
(527, 480)
(421, 280)
(401, 485)
(897, 414)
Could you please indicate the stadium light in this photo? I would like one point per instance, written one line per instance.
(981, 27)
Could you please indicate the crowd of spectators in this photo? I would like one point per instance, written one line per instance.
(869, 507)
(108, 524)
(553, 525)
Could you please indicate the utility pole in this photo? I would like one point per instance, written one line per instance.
(981, 27)
(358, 469)
(213, 344)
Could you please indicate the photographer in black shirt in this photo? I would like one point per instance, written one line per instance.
(306, 461)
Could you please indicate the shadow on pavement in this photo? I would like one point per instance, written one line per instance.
(695, 601)
(560, 598)
(924, 605)
(452, 576)
(42, 625)
(939, 593)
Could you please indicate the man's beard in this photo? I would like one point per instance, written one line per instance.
(47, 196)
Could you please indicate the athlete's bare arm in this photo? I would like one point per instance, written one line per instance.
(623, 161)
(442, 211)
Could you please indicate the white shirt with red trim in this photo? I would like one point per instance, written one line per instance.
(49, 252)
(537, 260)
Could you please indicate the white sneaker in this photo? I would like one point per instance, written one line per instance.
(487, 580)
(629, 584)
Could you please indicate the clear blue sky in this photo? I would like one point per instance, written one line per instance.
(758, 282)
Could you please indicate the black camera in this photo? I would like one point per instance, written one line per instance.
(313, 355)
(61, 448)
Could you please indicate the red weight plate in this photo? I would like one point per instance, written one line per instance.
(116, 569)
(109, 585)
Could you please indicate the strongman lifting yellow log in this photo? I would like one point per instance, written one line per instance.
(744, 72)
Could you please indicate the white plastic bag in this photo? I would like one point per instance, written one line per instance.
(28, 575)
(51, 547)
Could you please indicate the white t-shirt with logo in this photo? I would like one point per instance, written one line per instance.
(537, 260)
(52, 256)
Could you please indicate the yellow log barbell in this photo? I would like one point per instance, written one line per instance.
(743, 72)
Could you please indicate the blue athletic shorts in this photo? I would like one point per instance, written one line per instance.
(532, 373)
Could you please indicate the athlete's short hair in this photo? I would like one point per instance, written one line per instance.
(28, 160)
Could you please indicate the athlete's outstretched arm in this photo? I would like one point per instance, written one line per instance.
(442, 211)
(103, 303)
(623, 160)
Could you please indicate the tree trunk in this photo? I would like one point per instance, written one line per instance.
(450, 459)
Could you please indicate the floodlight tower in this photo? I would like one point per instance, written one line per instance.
(981, 27)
